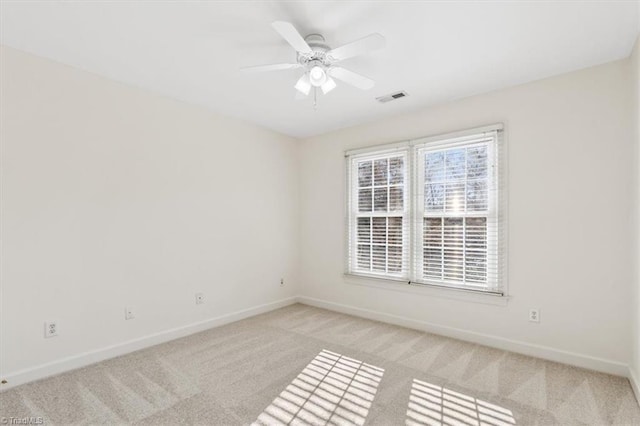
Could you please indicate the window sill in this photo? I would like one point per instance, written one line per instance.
(426, 290)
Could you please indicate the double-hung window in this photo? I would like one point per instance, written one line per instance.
(381, 214)
(429, 211)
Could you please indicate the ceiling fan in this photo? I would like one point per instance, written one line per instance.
(318, 60)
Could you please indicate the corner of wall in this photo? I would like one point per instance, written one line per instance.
(634, 379)
(635, 111)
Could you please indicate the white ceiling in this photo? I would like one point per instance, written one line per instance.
(436, 51)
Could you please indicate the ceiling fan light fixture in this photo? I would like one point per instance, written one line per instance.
(317, 76)
(303, 85)
(328, 86)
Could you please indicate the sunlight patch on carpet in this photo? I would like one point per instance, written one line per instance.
(432, 405)
(332, 389)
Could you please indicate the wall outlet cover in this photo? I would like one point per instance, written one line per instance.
(534, 315)
(129, 313)
(51, 328)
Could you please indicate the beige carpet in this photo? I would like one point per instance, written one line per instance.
(303, 365)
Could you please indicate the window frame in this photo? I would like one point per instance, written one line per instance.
(497, 199)
(353, 215)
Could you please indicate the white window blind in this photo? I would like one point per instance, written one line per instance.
(456, 240)
(379, 214)
(447, 229)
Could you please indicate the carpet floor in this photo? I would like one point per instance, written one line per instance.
(303, 365)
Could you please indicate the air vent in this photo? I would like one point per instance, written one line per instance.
(392, 97)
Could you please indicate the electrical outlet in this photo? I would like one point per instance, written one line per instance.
(51, 328)
(534, 315)
(199, 298)
(281, 282)
(129, 313)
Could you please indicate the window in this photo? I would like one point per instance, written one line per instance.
(446, 228)
(380, 219)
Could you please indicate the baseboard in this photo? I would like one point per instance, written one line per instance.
(80, 360)
(539, 351)
(634, 379)
(86, 358)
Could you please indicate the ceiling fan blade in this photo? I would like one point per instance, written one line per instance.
(364, 45)
(274, 67)
(292, 36)
(352, 78)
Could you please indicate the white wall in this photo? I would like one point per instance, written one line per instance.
(114, 196)
(570, 154)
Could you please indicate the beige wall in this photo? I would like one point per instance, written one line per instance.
(570, 159)
(113, 196)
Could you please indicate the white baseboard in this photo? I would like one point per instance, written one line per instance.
(86, 358)
(539, 351)
(634, 379)
(83, 359)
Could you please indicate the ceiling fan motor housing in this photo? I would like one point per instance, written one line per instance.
(319, 56)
